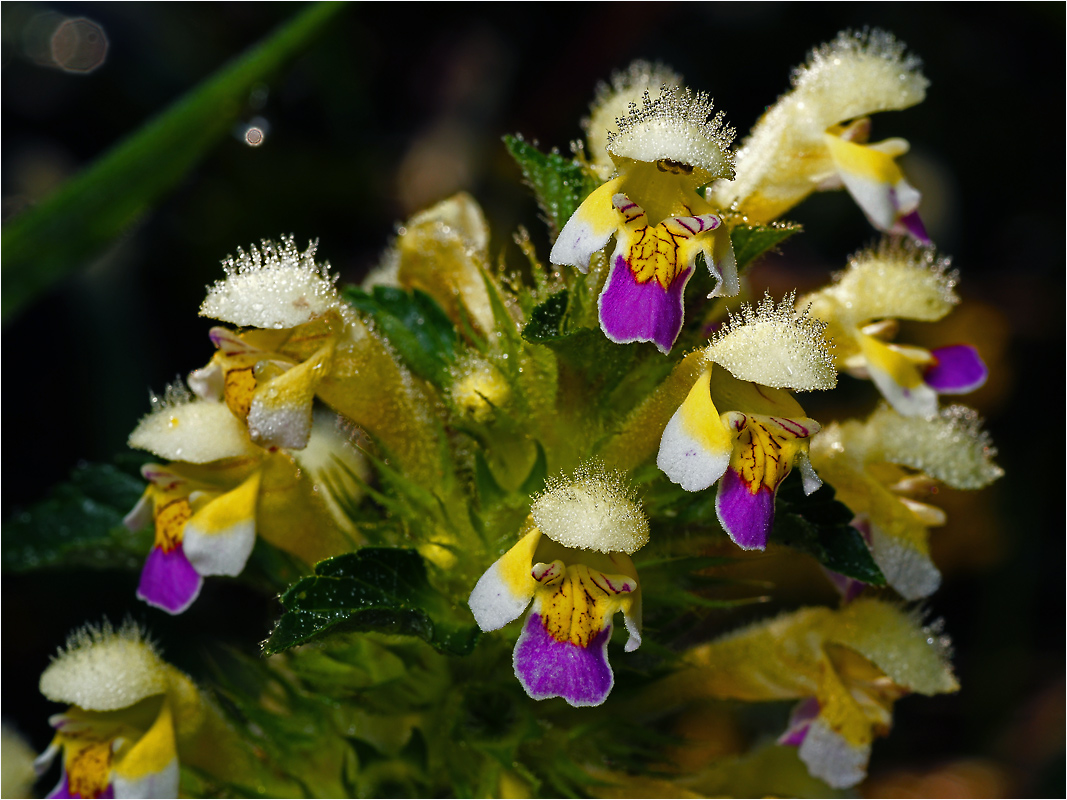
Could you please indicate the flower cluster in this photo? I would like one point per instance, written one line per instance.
(434, 453)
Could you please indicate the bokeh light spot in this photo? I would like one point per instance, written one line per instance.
(79, 45)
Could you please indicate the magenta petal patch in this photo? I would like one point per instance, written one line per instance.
(168, 580)
(957, 369)
(550, 668)
(912, 224)
(642, 312)
(63, 789)
(745, 516)
(804, 713)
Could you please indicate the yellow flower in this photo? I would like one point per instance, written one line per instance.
(847, 666)
(881, 468)
(738, 428)
(663, 152)
(304, 342)
(573, 563)
(815, 137)
(130, 711)
(220, 491)
(896, 280)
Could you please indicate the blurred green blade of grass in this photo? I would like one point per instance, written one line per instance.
(60, 234)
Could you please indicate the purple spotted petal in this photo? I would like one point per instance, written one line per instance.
(168, 580)
(550, 668)
(747, 517)
(804, 713)
(957, 369)
(642, 312)
(63, 789)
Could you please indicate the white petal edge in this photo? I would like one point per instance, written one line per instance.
(155, 784)
(832, 759)
(223, 553)
(686, 461)
(493, 603)
(910, 572)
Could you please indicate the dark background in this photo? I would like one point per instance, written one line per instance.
(397, 106)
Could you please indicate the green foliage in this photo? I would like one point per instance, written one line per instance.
(373, 589)
(415, 325)
(752, 241)
(560, 184)
(601, 362)
(54, 238)
(79, 525)
(819, 526)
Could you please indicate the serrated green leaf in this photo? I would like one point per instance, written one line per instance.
(819, 526)
(79, 525)
(415, 325)
(752, 241)
(546, 320)
(373, 589)
(602, 362)
(71, 226)
(559, 183)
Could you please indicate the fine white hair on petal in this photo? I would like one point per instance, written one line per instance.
(950, 446)
(775, 346)
(613, 101)
(895, 279)
(103, 669)
(273, 286)
(675, 126)
(907, 570)
(785, 157)
(183, 428)
(592, 509)
(859, 73)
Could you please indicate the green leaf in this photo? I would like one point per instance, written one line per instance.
(546, 321)
(819, 526)
(79, 525)
(54, 238)
(560, 184)
(601, 362)
(415, 325)
(373, 589)
(752, 241)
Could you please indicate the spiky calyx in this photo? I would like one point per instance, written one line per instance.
(592, 509)
(676, 127)
(775, 346)
(104, 669)
(272, 286)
